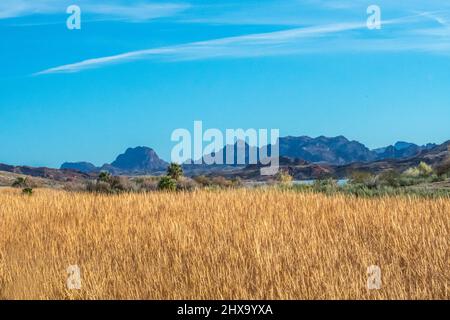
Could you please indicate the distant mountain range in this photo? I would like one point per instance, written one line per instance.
(135, 161)
(303, 157)
(305, 171)
(335, 151)
(402, 150)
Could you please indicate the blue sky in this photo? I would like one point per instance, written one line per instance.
(137, 70)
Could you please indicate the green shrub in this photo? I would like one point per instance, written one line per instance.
(365, 179)
(424, 169)
(359, 177)
(328, 186)
(389, 178)
(412, 172)
(27, 191)
(300, 187)
(284, 178)
(167, 184)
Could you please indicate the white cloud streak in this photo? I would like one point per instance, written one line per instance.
(216, 47)
(135, 11)
(291, 41)
(18, 8)
(442, 30)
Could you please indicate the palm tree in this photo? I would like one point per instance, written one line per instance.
(20, 182)
(175, 171)
(104, 177)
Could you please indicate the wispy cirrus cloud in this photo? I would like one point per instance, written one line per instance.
(130, 10)
(19, 8)
(246, 45)
(138, 12)
(440, 29)
(303, 12)
(340, 37)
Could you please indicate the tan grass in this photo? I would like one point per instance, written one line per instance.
(236, 244)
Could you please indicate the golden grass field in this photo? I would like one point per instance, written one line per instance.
(230, 244)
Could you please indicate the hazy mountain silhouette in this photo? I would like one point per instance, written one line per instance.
(85, 167)
(401, 150)
(143, 160)
(139, 160)
(337, 151)
(334, 151)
